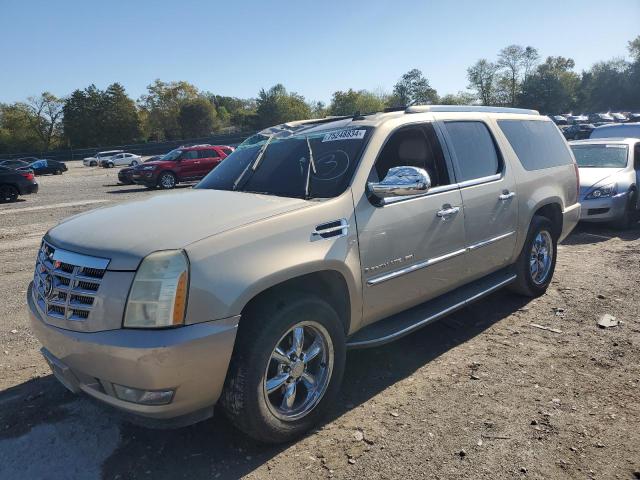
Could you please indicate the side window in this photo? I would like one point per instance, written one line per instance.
(208, 153)
(636, 157)
(413, 146)
(538, 144)
(227, 151)
(474, 150)
(189, 154)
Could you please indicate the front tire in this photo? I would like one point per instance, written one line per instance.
(537, 261)
(286, 368)
(8, 193)
(167, 181)
(630, 217)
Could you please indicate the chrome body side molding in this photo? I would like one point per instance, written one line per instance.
(432, 261)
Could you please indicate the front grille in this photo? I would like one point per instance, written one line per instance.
(65, 284)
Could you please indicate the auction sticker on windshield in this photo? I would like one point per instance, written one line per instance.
(344, 135)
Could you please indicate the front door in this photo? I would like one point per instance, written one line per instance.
(488, 194)
(189, 165)
(412, 248)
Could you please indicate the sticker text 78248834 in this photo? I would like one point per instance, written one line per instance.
(344, 135)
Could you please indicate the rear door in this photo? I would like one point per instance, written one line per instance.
(488, 195)
(209, 159)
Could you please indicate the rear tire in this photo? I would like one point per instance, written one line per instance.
(537, 261)
(93, 164)
(259, 382)
(631, 215)
(58, 172)
(8, 193)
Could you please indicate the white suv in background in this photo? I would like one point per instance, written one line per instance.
(120, 160)
(95, 161)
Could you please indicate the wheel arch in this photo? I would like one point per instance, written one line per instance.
(330, 285)
(552, 211)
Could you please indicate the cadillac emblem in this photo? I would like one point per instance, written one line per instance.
(48, 286)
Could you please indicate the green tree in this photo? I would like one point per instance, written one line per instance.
(482, 79)
(276, 105)
(121, 124)
(162, 102)
(196, 118)
(83, 118)
(552, 87)
(413, 89)
(460, 98)
(16, 134)
(605, 86)
(351, 101)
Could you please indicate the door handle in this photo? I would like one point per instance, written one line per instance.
(507, 195)
(447, 212)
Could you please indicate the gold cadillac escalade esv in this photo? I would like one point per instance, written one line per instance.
(311, 238)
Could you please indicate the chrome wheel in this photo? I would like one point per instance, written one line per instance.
(167, 181)
(298, 371)
(541, 257)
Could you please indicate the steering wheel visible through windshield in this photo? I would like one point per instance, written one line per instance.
(316, 163)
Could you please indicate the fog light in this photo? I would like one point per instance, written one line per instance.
(144, 397)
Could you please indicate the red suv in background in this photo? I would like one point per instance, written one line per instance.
(184, 164)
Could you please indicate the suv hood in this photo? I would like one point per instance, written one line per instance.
(128, 232)
(589, 177)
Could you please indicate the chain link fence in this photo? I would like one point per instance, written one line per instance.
(144, 149)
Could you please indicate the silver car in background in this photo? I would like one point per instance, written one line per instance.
(609, 178)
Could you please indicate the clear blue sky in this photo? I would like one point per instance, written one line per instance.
(312, 47)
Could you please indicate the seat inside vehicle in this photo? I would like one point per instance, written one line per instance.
(410, 147)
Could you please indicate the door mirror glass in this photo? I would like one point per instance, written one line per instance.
(401, 182)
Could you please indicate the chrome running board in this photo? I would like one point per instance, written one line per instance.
(403, 323)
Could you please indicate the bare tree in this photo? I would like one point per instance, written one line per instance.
(44, 114)
(482, 79)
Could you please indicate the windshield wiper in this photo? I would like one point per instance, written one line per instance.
(256, 163)
(311, 165)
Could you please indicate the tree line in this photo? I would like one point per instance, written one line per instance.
(517, 77)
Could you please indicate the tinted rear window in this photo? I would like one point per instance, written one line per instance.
(538, 144)
(474, 150)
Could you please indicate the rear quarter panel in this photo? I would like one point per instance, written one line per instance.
(537, 188)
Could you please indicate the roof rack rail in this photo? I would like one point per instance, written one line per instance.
(468, 108)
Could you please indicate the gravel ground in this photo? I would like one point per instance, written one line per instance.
(480, 394)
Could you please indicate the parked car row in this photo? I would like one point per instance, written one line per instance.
(17, 177)
(595, 118)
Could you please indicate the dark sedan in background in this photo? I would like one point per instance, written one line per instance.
(14, 183)
(125, 174)
(45, 166)
(39, 166)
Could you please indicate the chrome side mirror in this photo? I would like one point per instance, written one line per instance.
(401, 182)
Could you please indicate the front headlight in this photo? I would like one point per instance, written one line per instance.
(158, 296)
(149, 167)
(604, 191)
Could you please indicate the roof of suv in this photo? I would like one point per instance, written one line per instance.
(377, 118)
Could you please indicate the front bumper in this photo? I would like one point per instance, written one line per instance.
(191, 360)
(604, 209)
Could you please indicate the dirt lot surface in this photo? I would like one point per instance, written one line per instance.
(481, 394)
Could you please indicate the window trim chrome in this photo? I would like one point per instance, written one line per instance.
(435, 260)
